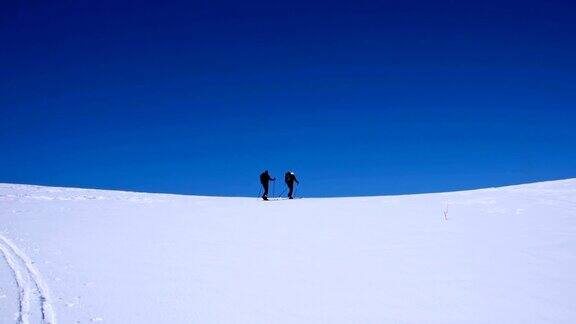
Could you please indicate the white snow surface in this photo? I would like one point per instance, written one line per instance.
(500, 255)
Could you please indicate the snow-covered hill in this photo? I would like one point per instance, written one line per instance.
(504, 255)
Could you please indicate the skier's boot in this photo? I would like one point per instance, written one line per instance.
(264, 198)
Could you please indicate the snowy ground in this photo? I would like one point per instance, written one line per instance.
(505, 255)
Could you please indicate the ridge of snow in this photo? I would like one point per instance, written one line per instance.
(92, 193)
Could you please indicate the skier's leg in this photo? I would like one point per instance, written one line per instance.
(290, 190)
(265, 195)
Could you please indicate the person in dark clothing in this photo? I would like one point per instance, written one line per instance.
(264, 180)
(290, 178)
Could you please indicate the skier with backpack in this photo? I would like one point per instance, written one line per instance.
(290, 178)
(265, 178)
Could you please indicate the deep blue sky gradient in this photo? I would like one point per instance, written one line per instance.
(357, 97)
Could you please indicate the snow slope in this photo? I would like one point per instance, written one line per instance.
(504, 255)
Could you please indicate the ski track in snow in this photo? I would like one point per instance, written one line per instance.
(28, 280)
(23, 289)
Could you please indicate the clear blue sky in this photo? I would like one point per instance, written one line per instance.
(357, 97)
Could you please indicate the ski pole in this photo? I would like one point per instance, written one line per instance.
(283, 191)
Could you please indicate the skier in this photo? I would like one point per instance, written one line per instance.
(290, 178)
(264, 179)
